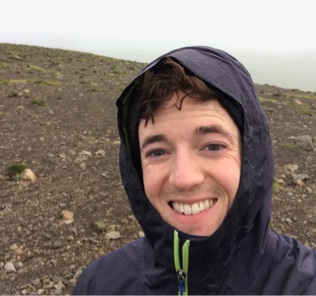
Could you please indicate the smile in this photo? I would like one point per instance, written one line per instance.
(193, 209)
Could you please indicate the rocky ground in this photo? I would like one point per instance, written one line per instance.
(58, 119)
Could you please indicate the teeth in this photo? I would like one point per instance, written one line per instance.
(176, 207)
(187, 210)
(202, 207)
(193, 209)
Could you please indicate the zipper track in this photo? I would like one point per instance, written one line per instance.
(182, 273)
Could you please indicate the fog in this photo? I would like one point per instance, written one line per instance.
(275, 40)
(293, 69)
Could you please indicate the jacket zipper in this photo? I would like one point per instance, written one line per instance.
(182, 273)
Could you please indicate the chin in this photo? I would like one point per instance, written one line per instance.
(196, 232)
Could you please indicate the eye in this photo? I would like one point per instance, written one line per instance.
(214, 147)
(156, 153)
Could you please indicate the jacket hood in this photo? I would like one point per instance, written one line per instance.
(250, 213)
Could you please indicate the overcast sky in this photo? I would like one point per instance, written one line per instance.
(143, 29)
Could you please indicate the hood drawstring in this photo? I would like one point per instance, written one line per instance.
(182, 273)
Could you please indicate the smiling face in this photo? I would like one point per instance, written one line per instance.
(191, 162)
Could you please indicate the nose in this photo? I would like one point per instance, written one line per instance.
(186, 172)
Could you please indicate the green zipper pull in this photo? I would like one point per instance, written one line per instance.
(182, 273)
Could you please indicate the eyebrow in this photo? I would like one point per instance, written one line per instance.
(214, 129)
(153, 139)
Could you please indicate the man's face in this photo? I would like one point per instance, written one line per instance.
(191, 162)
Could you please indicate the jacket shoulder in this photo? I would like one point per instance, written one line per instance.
(117, 272)
(299, 266)
(280, 266)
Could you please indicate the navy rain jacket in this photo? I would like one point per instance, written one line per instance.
(243, 256)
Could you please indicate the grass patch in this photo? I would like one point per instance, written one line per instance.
(13, 94)
(2, 114)
(15, 170)
(278, 187)
(5, 65)
(58, 75)
(24, 81)
(38, 102)
(12, 81)
(95, 90)
(303, 109)
(309, 97)
(292, 146)
(267, 109)
(103, 58)
(267, 100)
(46, 82)
(36, 68)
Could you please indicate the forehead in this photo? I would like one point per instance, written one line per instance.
(177, 110)
(192, 116)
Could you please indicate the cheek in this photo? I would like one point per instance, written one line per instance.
(151, 183)
(228, 177)
(234, 178)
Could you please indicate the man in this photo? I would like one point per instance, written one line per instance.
(196, 163)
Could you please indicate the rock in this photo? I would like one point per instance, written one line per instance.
(309, 190)
(18, 265)
(141, 234)
(112, 235)
(100, 153)
(14, 247)
(305, 142)
(279, 181)
(63, 156)
(36, 282)
(290, 168)
(17, 57)
(67, 215)
(9, 267)
(131, 217)
(100, 225)
(46, 280)
(17, 250)
(73, 230)
(59, 285)
(302, 176)
(299, 183)
(40, 291)
(83, 165)
(70, 238)
(28, 175)
(85, 153)
(299, 178)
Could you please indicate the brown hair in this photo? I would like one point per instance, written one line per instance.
(166, 79)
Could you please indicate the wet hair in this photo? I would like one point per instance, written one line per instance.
(169, 78)
(158, 85)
